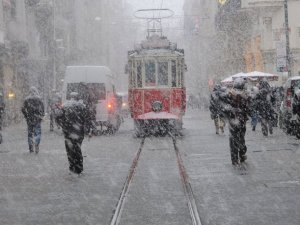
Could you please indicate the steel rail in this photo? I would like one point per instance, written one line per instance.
(118, 211)
(188, 191)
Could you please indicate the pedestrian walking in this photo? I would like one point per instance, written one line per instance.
(215, 110)
(254, 113)
(263, 105)
(235, 107)
(87, 94)
(2, 108)
(54, 103)
(74, 117)
(33, 111)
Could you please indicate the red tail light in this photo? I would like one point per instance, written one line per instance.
(289, 98)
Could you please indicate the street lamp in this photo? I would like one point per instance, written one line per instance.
(54, 46)
(287, 37)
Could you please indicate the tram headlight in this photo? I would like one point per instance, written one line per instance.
(157, 106)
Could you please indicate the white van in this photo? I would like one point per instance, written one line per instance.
(96, 82)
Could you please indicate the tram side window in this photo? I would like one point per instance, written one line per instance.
(163, 73)
(182, 72)
(173, 70)
(150, 73)
(130, 65)
(139, 73)
(134, 71)
(179, 74)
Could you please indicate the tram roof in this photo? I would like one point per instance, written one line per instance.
(155, 52)
(156, 45)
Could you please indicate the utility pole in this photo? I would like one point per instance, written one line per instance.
(54, 46)
(287, 38)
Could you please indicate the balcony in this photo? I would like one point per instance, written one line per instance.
(262, 3)
(1, 37)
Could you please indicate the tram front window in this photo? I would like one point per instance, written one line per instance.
(173, 70)
(163, 73)
(150, 73)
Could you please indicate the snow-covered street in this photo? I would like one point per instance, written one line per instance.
(38, 189)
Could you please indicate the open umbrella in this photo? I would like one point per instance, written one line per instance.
(256, 75)
(252, 76)
(229, 80)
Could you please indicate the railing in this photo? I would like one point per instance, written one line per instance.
(261, 3)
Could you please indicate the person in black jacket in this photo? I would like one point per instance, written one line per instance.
(54, 104)
(236, 108)
(215, 111)
(263, 105)
(74, 117)
(2, 108)
(296, 103)
(33, 111)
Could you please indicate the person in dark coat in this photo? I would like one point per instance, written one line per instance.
(87, 95)
(215, 111)
(263, 105)
(74, 117)
(296, 103)
(54, 104)
(33, 111)
(2, 108)
(236, 108)
(254, 114)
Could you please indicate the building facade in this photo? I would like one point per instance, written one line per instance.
(13, 56)
(269, 28)
(232, 36)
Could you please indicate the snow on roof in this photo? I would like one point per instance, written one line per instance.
(259, 74)
(88, 74)
(251, 75)
(122, 93)
(295, 78)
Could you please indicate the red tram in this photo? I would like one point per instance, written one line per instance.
(157, 93)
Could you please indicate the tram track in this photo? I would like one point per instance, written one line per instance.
(188, 192)
(118, 211)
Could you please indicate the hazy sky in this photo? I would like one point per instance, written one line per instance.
(175, 5)
(172, 27)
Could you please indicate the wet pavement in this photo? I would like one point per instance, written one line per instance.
(37, 189)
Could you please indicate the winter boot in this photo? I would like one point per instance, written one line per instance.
(222, 130)
(234, 163)
(37, 149)
(243, 158)
(253, 128)
(271, 130)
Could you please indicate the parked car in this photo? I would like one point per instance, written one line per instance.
(286, 116)
(95, 84)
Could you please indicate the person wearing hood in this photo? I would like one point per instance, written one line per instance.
(236, 108)
(263, 105)
(54, 104)
(2, 108)
(215, 111)
(74, 118)
(33, 111)
(254, 116)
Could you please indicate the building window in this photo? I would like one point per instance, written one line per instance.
(150, 79)
(163, 73)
